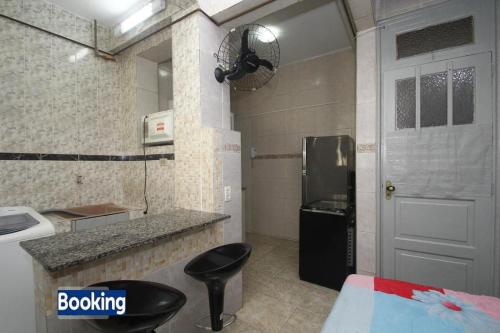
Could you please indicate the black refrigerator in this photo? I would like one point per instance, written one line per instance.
(327, 215)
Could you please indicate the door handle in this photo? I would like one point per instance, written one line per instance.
(389, 188)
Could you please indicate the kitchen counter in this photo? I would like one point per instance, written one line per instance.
(70, 249)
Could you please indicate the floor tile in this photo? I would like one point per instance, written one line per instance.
(264, 312)
(241, 326)
(275, 300)
(304, 322)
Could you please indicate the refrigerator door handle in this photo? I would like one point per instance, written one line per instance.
(319, 211)
(304, 171)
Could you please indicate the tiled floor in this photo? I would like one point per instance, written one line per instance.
(275, 300)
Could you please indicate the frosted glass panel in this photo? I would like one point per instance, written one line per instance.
(463, 96)
(405, 103)
(436, 37)
(433, 99)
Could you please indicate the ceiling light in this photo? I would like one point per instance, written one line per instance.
(269, 34)
(141, 15)
(163, 72)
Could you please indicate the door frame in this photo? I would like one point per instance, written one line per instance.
(434, 13)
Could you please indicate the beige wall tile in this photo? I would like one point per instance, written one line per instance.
(314, 97)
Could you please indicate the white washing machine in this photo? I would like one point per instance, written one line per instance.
(17, 292)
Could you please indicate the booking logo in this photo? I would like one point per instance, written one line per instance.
(90, 303)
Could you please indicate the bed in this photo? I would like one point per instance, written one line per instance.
(375, 305)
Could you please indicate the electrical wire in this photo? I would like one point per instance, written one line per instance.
(145, 166)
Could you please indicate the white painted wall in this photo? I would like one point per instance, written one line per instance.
(388, 8)
(165, 85)
(213, 7)
(147, 92)
(497, 227)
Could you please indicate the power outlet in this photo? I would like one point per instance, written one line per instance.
(227, 193)
(253, 153)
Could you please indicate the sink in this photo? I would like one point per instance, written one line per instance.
(88, 211)
(85, 217)
(97, 210)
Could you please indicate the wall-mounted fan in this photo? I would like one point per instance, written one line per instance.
(248, 57)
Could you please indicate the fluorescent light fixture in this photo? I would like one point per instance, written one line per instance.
(268, 35)
(136, 18)
(141, 15)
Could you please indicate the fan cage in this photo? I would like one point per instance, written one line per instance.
(229, 51)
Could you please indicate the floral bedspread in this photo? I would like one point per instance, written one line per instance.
(375, 305)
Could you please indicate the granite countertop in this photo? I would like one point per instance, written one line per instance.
(70, 249)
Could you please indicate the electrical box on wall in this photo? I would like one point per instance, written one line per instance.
(159, 128)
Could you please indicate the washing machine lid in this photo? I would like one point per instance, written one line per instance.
(15, 223)
(23, 223)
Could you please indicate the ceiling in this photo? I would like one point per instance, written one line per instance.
(307, 29)
(106, 12)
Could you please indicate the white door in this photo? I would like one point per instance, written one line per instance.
(437, 157)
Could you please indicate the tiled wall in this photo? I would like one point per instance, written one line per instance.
(207, 152)
(54, 18)
(52, 85)
(366, 124)
(315, 97)
(58, 98)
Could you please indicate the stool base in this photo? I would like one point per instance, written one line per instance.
(205, 323)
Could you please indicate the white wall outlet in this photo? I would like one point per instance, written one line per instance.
(253, 152)
(227, 193)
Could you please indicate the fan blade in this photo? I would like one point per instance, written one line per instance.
(236, 74)
(266, 63)
(244, 42)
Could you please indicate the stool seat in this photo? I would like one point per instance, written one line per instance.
(220, 263)
(149, 305)
(215, 267)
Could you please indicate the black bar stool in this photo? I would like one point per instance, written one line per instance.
(215, 267)
(149, 305)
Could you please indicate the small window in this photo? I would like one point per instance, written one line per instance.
(436, 37)
(434, 99)
(463, 96)
(405, 103)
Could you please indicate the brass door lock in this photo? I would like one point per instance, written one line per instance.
(389, 188)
